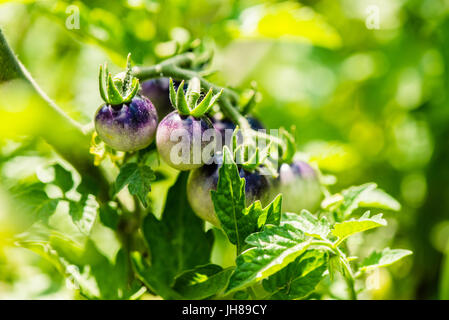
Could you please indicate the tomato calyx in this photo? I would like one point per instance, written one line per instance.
(188, 103)
(119, 89)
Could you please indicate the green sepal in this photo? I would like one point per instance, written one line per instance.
(203, 106)
(253, 162)
(193, 92)
(114, 95)
(214, 99)
(250, 102)
(128, 79)
(119, 89)
(187, 104)
(100, 79)
(172, 94)
(289, 150)
(181, 102)
(133, 90)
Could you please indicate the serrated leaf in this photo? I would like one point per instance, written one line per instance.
(84, 213)
(272, 250)
(271, 214)
(237, 221)
(138, 177)
(178, 241)
(202, 282)
(63, 178)
(383, 258)
(342, 230)
(229, 202)
(299, 278)
(352, 196)
(307, 223)
(366, 195)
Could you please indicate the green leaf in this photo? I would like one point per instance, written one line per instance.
(85, 267)
(63, 178)
(383, 258)
(366, 195)
(229, 202)
(202, 282)
(151, 279)
(272, 249)
(299, 278)
(138, 178)
(271, 214)
(178, 241)
(378, 198)
(33, 199)
(307, 223)
(109, 216)
(84, 213)
(342, 230)
(237, 221)
(352, 196)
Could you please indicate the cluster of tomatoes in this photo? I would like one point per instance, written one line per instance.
(134, 125)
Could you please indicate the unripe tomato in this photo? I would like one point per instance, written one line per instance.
(128, 126)
(185, 142)
(300, 187)
(202, 180)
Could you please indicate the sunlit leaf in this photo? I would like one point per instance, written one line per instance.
(383, 258)
(307, 223)
(202, 282)
(138, 177)
(344, 229)
(299, 278)
(272, 249)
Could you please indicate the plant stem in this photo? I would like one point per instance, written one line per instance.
(347, 274)
(173, 68)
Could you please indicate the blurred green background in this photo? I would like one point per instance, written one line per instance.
(363, 81)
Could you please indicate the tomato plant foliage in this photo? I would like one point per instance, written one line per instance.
(165, 249)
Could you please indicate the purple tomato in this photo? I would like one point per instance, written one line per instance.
(185, 142)
(128, 126)
(202, 180)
